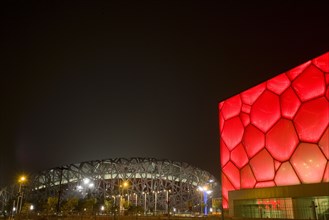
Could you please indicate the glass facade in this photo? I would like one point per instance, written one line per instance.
(287, 208)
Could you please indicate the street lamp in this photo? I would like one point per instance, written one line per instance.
(167, 200)
(155, 201)
(86, 187)
(22, 179)
(102, 209)
(136, 199)
(144, 203)
(204, 192)
(124, 185)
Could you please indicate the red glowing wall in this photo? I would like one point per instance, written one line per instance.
(277, 133)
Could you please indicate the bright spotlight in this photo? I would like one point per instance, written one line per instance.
(86, 181)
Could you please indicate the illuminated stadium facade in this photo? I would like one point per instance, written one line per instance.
(274, 146)
(155, 185)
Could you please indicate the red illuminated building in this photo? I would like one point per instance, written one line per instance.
(275, 136)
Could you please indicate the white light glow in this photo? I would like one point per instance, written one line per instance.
(86, 181)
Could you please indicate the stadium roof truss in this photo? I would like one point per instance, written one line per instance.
(176, 182)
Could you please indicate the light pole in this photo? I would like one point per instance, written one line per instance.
(201, 193)
(135, 199)
(204, 193)
(21, 180)
(123, 185)
(58, 207)
(87, 191)
(155, 201)
(167, 200)
(89, 185)
(144, 203)
(31, 209)
(114, 203)
(102, 209)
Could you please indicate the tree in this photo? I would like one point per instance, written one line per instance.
(51, 205)
(134, 210)
(87, 205)
(26, 209)
(216, 204)
(70, 206)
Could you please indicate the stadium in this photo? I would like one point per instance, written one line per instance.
(156, 186)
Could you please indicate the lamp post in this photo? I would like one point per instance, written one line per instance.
(58, 206)
(102, 209)
(144, 203)
(204, 193)
(122, 186)
(155, 201)
(21, 180)
(114, 203)
(13, 210)
(167, 200)
(201, 190)
(136, 199)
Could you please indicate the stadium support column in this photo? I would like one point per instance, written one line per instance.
(58, 208)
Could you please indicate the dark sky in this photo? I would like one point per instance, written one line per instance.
(86, 80)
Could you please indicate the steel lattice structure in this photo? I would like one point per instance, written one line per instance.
(152, 183)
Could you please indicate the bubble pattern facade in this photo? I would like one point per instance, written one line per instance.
(277, 133)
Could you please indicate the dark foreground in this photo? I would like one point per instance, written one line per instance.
(104, 217)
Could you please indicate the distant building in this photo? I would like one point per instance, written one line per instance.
(156, 186)
(274, 146)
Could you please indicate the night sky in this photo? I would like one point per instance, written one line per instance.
(87, 80)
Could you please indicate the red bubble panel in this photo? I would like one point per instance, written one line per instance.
(277, 164)
(326, 174)
(224, 154)
(232, 132)
(309, 163)
(263, 166)
(253, 139)
(221, 123)
(286, 175)
(282, 140)
(245, 118)
(310, 84)
(226, 186)
(278, 84)
(322, 62)
(231, 107)
(265, 111)
(248, 178)
(290, 103)
(265, 184)
(324, 143)
(312, 119)
(249, 96)
(239, 156)
(233, 174)
(293, 73)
